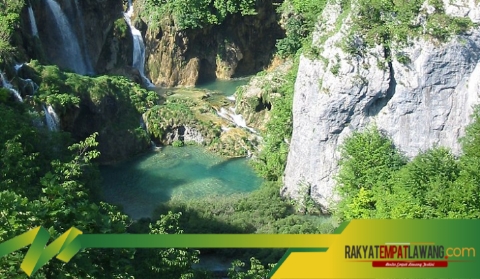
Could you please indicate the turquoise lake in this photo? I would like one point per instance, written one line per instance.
(226, 87)
(180, 173)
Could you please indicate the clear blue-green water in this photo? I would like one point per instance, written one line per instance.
(180, 173)
(226, 87)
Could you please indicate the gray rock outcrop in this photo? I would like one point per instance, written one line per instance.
(425, 102)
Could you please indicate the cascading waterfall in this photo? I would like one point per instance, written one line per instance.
(30, 83)
(33, 22)
(237, 119)
(18, 67)
(51, 117)
(10, 88)
(70, 54)
(138, 45)
(27, 82)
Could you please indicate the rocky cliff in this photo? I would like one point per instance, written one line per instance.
(241, 45)
(424, 101)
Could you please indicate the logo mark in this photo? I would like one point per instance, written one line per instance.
(65, 247)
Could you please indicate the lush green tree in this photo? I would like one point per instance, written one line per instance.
(64, 202)
(256, 271)
(367, 158)
(272, 159)
(9, 21)
(375, 183)
(190, 14)
(167, 263)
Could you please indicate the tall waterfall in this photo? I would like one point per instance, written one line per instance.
(51, 117)
(10, 88)
(138, 45)
(84, 39)
(69, 54)
(33, 22)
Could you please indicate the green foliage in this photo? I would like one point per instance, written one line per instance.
(4, 95)
(177, 143)
(41, 190)
(172, 113)
(366, 159)
(19, 161)
(177, 112)
(190, 14)
(262, 211)
(272, 159)
(335, 69)
(120, 28)
(43, 187)
(256, 271)
(9, 21)
(471, 141)
(403, 58)
(375, 182)
(63, 90)
(299, 26)
(166, 263)
(386, 21)
(296, 35)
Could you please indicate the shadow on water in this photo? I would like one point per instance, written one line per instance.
(126, 188)
(185, 173)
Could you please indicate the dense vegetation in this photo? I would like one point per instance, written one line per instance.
(48, 179)
(189, 14)
(301, 18)
(9, 20)
(397, 23)
(376, 181)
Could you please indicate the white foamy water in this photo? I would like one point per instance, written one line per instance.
(10, 88)
(237, 119)
(51, 118)
(71, 55)
(33, 22)
(138, 46)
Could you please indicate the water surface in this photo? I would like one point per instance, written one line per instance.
(182, 173)
(226, 87)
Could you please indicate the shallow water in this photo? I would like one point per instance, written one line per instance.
(226, 87)
(180, 173)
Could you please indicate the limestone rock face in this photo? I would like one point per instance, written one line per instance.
(241, 45)
(425, 102)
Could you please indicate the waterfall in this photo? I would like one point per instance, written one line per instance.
(18, 67)
(10, 88)
(31, 83)
(69, 54)
(237, 119)
(33, 23)
(84, 39)
(51, 117)
(138, 46)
